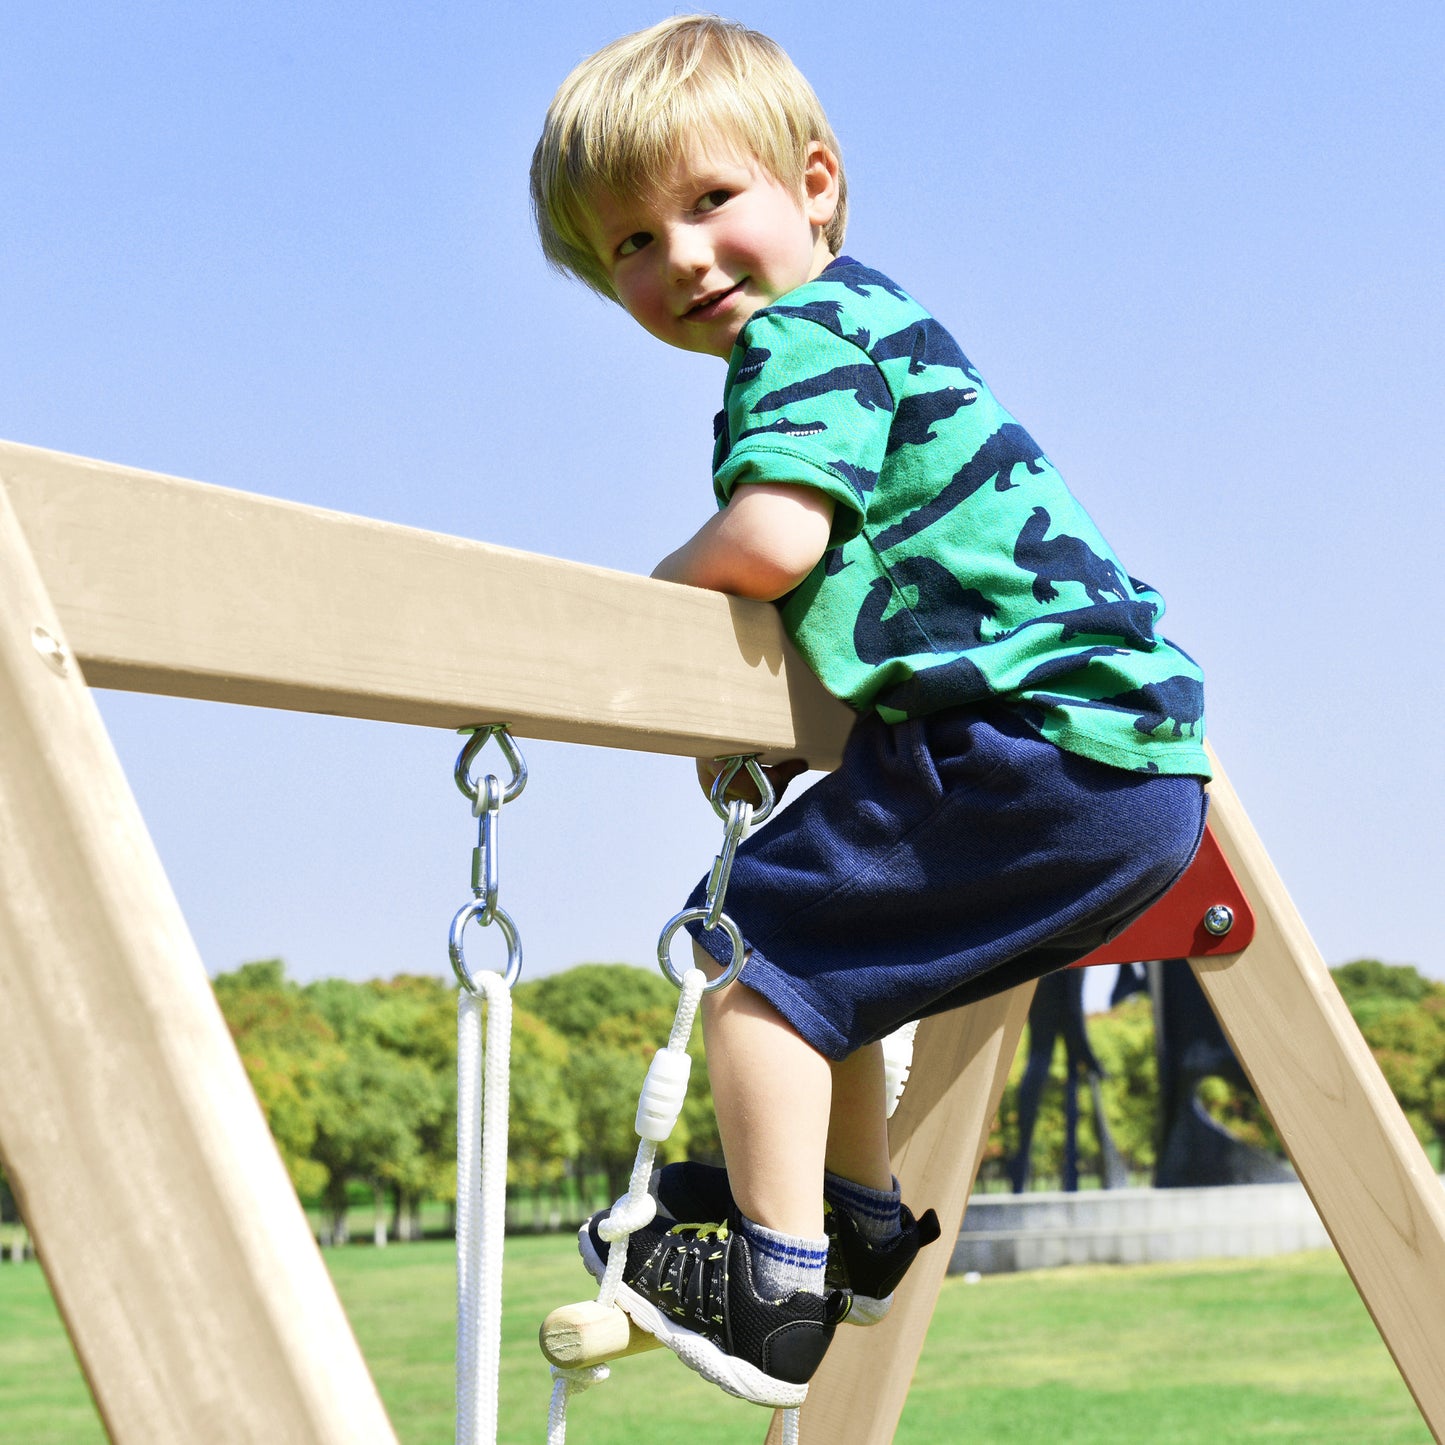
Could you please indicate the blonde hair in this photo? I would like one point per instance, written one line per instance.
(621, 119)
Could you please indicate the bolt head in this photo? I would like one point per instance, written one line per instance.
(1219, 919)
(51, 648)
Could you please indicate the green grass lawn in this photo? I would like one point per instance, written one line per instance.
(1260, 1350)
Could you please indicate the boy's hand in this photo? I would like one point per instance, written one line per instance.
(742, 786)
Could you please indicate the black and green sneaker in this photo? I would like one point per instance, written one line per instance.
(869, 1271)
(691, 1286)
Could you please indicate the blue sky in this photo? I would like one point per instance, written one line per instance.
(1195, 249)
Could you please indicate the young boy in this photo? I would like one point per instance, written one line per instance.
(1026, 772)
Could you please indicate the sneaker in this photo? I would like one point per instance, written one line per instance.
(871, 1272)
(691, 1286)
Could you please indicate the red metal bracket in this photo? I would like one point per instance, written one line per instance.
(1174, 927)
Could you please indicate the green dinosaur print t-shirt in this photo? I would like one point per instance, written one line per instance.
(960, 568)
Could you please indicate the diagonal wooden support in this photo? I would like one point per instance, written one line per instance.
(173, 1242)
(960, 1065)
(1355, 1152)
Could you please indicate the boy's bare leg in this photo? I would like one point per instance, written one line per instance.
(785, 1112)
(772, 1092)
(858, 1124)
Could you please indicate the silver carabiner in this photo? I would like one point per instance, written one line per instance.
(739, 821)
(767, 796)
(464, 915)
(689, 915)
(486, 869)
(474, 745)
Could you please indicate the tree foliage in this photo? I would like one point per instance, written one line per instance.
(358, 1080)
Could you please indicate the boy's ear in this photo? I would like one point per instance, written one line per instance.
(820, 184)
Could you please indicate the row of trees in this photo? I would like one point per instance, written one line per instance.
(358, 1080)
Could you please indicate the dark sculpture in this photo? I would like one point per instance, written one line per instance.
(1189, 1045)
(1058, 1012)
(1194, 1149)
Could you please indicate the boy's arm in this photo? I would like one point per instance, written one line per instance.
(761, 545)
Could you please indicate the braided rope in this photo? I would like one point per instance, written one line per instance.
(635, 1209)
(481, 1202)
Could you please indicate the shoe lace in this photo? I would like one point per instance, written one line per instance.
(691, 1271)
(702, 1231)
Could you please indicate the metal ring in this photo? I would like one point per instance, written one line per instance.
(767, 794)
(510, 751)
(464, 915)
(688, 915)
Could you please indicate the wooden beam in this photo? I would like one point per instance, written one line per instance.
(170, 586)
(174, 1244)
(961, 1063)
(1355, 1152)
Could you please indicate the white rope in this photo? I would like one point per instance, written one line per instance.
(481, 1203)
(790, 1425)
(635, 1209)
(567, 1383)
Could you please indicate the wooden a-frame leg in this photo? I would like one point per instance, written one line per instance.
(173, 1242)
(960, 1065)
(1355, 1152)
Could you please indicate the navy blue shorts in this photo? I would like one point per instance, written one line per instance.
(947, 859)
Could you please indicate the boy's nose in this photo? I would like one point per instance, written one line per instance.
(687, 253)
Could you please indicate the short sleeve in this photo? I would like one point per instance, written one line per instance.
(807, 407)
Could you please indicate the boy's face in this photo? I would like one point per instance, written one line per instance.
(721, 240)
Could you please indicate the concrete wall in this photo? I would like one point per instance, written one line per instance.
(1003, 1232)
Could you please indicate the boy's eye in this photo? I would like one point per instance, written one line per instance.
(632, 244)
(713, 200)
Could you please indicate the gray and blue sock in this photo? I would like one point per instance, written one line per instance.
(877, 1214)
(784, 1263)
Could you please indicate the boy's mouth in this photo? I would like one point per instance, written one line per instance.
(710, 305)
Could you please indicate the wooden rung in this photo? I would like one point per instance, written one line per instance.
(590, 1333)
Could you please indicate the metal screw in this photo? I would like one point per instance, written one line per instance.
(1219, 919)
(51, 648)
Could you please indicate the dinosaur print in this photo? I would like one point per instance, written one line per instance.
(786, 428)
(1178, 700)
(917, 415)
(948, 617)
(859, 278)
(950, 684)
(1131, 621)
(925, 343)
(751, 363)
(827, 314)
(859, 478)
(994, 461)
(864, 381)
(1063, 666)
(1066, 559)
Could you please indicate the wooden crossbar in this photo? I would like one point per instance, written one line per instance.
(169, 586)
(180, 1260)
